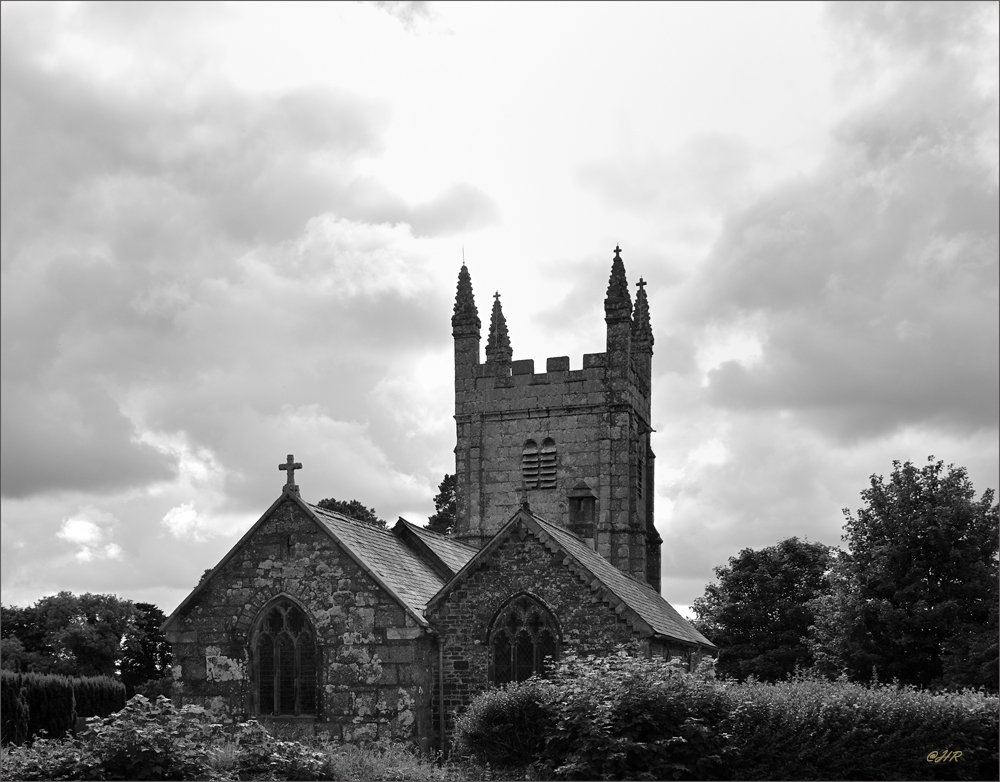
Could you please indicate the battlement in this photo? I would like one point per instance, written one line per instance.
(556, 366)
(492, 388)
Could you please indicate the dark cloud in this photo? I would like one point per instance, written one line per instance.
(71, 438)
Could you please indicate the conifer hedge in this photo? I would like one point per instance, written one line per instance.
(34, 702)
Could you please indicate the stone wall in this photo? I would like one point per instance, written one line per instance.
(375, 661)
(598, 417)
(520, 563)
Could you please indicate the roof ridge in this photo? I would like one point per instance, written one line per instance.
(439, 535)
(343, 517)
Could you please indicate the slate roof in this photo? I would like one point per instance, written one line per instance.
(640, 597)
(385, 555)
(647, 609)
(453, 553)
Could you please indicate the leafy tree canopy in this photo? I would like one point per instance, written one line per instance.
(915, 597)
(445, 505)
(70, 634)
(354, 509)
(758, 612)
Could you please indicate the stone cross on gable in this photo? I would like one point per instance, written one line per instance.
(290, 466)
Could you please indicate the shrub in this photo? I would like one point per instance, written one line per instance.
(507, 726)
(13, 709)
(33, 703)
(98, 696)
(617, 717)
(40, 703)
(624, 717)
(256, 754)
(808, 728)
(50, 759)
(148, 740)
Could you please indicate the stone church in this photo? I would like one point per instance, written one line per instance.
(317, 620)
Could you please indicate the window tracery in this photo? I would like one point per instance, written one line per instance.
(284, 649)
(524, 640)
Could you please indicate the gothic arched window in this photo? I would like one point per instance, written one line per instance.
(284, 653)
(523, 641)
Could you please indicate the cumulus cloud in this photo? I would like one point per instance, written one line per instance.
(184, 522)
(845, 317)
(875, 279)
(188, 246)
(90, 530)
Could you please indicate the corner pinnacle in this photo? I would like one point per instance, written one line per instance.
(465, 320)
(498, 350)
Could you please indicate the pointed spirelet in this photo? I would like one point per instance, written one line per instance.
(498, 349)
(465, 322)
(642, 331)
(618, 303)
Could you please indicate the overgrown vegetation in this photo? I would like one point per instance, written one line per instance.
(155, 740)
(615, 717)
(628, 718)
(812, 728)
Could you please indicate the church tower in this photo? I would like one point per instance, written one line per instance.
(573, 444)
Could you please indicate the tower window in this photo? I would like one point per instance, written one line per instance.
(529, 464)
(524, 640)
(547, 473)
(538, 465)
(285, 661)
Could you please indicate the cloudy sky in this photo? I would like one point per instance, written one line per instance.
(233, 232)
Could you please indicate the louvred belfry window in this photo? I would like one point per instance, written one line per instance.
(285, 657)
(538, 466)
(547, 471)
(524, 641)
(529, 464)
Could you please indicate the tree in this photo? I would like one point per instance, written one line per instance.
(758, 613)
(70, 634)
(145, 651)
(915, 596)
(354, 509)
(445, 504)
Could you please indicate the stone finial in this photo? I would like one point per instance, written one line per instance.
(465, 322)
(290, 466)
(642, 331)
(498, 350)
(618, 304)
